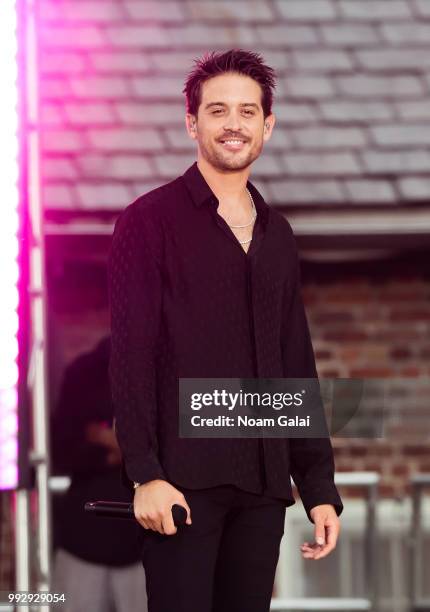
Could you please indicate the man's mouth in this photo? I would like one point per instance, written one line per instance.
(233, 144)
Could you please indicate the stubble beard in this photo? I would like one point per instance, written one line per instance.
(228, 161)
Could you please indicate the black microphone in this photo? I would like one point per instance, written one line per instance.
(124, 510)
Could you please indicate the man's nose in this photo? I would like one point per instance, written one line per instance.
(233, 122)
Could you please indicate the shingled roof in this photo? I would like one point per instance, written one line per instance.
(352, 101)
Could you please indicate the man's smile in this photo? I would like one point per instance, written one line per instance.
(233, 144)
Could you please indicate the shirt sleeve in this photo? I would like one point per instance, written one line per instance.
(134, 280)
(311, 459)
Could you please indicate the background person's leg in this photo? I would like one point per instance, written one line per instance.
(180, 568)
(248, 555)
(129, 588)
(85, 585)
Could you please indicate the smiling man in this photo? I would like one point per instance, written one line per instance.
(204, 282)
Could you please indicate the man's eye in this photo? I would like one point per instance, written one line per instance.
(220, 110)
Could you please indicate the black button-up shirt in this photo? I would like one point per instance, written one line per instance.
(187, 301)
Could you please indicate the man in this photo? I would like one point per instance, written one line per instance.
(204, 283)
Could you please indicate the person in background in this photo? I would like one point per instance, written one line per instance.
(97, 560)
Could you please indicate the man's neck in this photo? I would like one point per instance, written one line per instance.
(229, 187)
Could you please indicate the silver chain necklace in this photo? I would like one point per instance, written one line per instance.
(254, 211)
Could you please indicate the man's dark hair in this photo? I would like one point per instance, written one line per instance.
(239, 61)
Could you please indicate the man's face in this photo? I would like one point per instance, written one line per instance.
(230, 127)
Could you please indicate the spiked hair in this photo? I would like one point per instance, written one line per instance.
(238, 61)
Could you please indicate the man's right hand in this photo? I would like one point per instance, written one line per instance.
(153, 503)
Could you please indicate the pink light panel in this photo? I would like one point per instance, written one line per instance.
(9, 247)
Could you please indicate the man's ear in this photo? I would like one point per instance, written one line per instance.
(269, 123)
(191, 124)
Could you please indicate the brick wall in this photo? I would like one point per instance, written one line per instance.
(372, 320)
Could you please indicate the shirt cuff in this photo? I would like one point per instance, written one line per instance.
(141, 470)
(325, 493)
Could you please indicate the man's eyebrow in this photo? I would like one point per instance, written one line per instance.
(210, 104)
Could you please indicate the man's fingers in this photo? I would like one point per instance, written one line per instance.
(320, 532)
(164, 525)
(155, 522)
(149, 522)
(188, 509)
(142, 523)
(332, 533)
(316, 551)
(168, 524)
(324, 551)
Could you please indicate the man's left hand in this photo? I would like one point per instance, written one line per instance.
(327, 528)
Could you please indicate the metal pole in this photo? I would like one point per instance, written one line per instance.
(37, 290)
(415, 549)
(419, 482)
(371, 556)
(22, 541)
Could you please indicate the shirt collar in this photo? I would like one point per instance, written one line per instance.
(201, 193)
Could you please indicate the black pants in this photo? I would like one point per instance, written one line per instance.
(224, 562)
